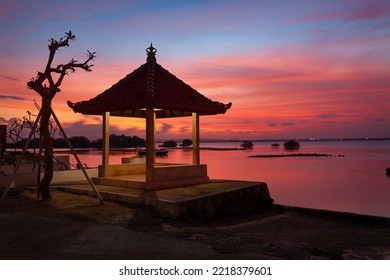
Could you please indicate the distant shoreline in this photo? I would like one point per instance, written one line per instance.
(296, 155)
(299, 139)
(65, 149)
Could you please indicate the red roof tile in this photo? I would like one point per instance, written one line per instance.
(150, 86)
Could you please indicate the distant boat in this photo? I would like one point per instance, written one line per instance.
(247, 144)
(159, 152)
(275, 144)
(291, 145)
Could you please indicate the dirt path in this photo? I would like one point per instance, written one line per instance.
(281, 233)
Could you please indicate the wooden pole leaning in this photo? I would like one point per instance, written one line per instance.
(76, 157)
(39, 165)
(6, 190)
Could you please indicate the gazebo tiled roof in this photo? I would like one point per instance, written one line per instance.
(150, 86)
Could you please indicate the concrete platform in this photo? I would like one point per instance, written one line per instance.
(165, 175)
(201, 202)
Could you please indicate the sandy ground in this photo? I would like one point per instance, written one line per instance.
(280, 233)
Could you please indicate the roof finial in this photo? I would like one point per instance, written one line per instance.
(151, 51)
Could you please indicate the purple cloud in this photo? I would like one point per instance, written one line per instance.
(376, 119)
(94, 131)
(9, 78)
(369, 11)
(184, 129)
(366, 11)
(327, 116)
(11, 97)
(271, 124)
(165, 128)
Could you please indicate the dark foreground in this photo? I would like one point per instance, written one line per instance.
(77, 227)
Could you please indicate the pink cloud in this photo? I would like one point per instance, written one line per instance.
(369, 11)
(350, 12)
(284, 91)
(309, 97)
(95, 130)
(10, 8)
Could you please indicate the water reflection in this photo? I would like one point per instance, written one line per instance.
(355, 183)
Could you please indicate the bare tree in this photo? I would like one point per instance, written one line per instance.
(47, 85)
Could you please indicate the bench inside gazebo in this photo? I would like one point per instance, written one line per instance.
(151, 92)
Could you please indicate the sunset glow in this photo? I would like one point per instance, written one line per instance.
(292, 69)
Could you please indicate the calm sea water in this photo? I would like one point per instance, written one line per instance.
(355, 182)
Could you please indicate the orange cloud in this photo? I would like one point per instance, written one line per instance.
(283, 92)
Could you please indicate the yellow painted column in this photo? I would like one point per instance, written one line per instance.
(150, 144)
(195, 139)
(106, 143)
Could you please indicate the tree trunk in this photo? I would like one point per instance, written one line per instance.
(47, 148)
(3, 139)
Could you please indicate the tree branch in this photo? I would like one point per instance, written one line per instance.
(55, 45)
(37, 83)
(72, 65)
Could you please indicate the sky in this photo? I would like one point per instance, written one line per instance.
(292, 69)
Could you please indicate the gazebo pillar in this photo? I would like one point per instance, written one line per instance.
(106, 143)
(150, 144)
(195, 139)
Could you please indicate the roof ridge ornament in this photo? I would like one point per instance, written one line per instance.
(151, 51)
(150, 86)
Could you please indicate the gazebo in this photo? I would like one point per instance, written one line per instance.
(151, 92)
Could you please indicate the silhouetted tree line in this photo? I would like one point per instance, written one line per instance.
(122, 141)
(173, 144)
(116, 141)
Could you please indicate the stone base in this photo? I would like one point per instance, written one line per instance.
(229, 202)
(201, 202)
